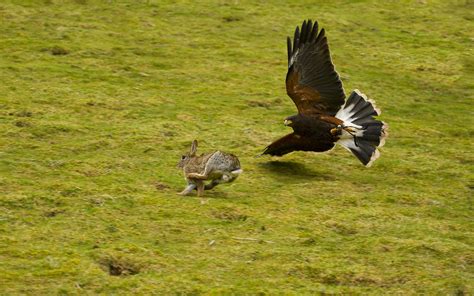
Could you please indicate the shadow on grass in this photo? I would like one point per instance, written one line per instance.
(293, 171)
(213, 193)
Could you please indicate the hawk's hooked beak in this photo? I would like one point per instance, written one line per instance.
(287, 122)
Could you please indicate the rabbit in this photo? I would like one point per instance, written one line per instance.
(218, 167)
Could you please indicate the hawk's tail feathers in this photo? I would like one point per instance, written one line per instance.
(362, 133)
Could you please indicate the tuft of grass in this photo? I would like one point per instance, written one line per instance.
(119, 266)
(100, 98)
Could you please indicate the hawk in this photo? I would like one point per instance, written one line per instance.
(325, 117)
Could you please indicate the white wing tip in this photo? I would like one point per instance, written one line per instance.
(373, 158)
(384, 134)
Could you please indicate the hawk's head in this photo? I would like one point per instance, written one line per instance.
(291, 120)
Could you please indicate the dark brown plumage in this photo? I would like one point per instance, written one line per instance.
(316, 89)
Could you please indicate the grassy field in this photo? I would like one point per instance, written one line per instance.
(100, 98)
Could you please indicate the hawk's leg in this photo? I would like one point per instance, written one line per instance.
(337, 131)
(352, 132)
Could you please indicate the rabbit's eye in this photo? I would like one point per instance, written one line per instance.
(183, 157)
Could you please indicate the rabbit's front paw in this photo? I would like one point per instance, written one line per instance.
(188, 189)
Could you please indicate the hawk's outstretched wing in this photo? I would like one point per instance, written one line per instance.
(293, 142)
(311, 81)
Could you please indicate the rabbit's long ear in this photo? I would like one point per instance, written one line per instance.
(194, 147)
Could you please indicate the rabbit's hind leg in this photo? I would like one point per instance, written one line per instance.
(226, 178)
(211, 185)
(197, 176)
(230, 177)
(208, 169)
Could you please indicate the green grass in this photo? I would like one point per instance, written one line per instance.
(91, 135)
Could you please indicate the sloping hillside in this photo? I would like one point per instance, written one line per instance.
(99, 99)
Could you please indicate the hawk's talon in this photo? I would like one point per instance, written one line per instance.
(352, 132)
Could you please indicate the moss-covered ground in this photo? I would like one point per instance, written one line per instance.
(98, 100)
